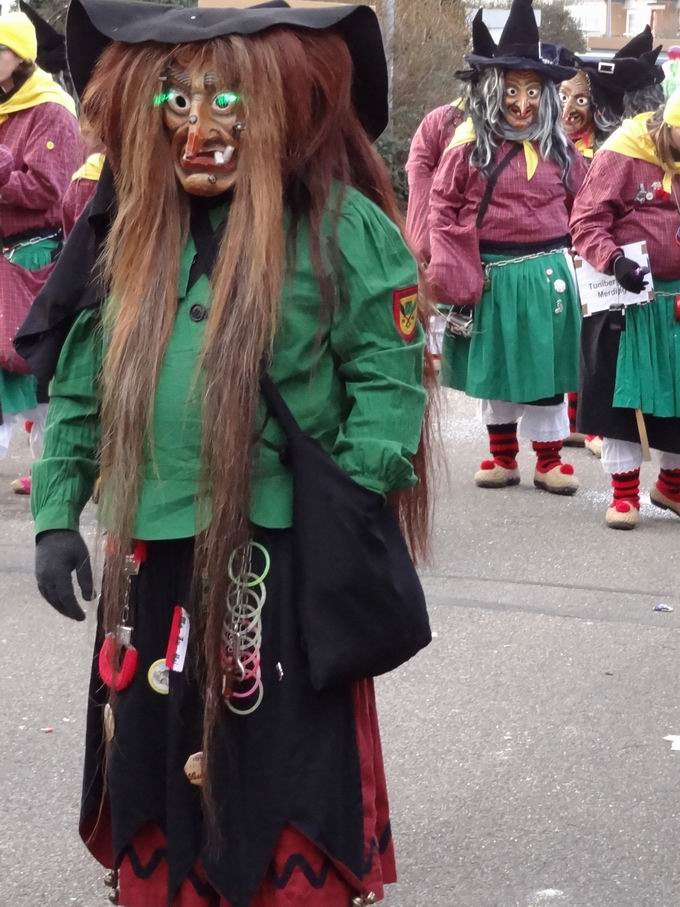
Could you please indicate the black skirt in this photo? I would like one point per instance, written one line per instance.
(294, 762)
(596, 415)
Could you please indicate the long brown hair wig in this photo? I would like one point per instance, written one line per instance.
(302, 134)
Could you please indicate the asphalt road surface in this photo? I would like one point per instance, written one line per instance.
(526, 749)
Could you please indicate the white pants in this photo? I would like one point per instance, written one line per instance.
(625, 456)
(37, 416)
(536, 423)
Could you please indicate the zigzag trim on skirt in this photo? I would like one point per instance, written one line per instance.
(294, 861)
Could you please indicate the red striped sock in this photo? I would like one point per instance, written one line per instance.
(626, 490)
(503, 444)
(572, 409)
(548, 457)
(668, 483)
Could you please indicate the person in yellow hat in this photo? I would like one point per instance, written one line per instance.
(40, 149)
(629, 357)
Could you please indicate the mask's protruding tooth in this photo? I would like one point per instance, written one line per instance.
(228, 153)
(219, 157)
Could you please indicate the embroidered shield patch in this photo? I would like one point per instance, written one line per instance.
(405, 311)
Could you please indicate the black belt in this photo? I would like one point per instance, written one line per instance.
(45, 233)
(524, 248)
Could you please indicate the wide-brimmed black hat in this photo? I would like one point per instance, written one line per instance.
(633, 66)
(519, 47)
(93, 24)
(51, 44)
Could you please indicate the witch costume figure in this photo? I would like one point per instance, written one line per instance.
(629, 357)
(602, 92)
(39, 151)
(499, 232)
(594, 103)
(245, 371)
(427, 147)
(431, 139)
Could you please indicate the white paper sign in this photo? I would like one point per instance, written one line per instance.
(600, 291)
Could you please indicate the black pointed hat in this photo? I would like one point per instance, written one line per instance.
(519, 46)
(482, 42)
(483, 45)
(51, 44)
(632, 67)
(638, 44)
(93, 24)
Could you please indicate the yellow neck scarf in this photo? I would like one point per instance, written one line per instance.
(91, 169)
(465, 134)
(632, 140)
(40, 88)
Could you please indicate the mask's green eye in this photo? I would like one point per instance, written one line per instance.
(226, 99)
(174, 98)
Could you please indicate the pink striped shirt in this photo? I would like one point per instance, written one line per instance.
(431, 138)
(609, 213)
(78, 196)
(520, 211)
(40, 150)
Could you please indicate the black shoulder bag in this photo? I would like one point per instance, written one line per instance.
(360, 603)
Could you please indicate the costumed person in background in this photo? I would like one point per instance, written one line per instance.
(252, 244)
(628, 358)
(646, 93)
(39, 151)
(594, 103)
(499, 228)
(84, 180)
(427, 147)
(77, 197)
(671, 70)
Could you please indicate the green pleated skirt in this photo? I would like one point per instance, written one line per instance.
(648, 365)
(525, 345)
(18, 392)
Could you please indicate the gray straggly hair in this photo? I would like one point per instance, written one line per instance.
(606, 121)
(486, 106)
(643, 100)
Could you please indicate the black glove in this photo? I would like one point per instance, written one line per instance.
(58, 552)
(630, 275)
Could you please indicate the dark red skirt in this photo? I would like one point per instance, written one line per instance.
(300, 874)
(301, 798)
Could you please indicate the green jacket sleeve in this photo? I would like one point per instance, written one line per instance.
(64, 477)
(379, 346)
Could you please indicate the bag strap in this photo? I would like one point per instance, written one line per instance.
(492, 180)
(278, 408)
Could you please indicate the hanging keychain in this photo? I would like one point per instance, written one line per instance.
(242, 688)
(120, 640)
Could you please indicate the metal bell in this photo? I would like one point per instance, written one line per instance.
(365, 900)
(113, 897)
(111, 879)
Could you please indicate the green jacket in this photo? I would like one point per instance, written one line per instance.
(355, 386)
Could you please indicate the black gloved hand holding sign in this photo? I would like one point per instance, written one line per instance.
(630, 275)
(58, 552)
